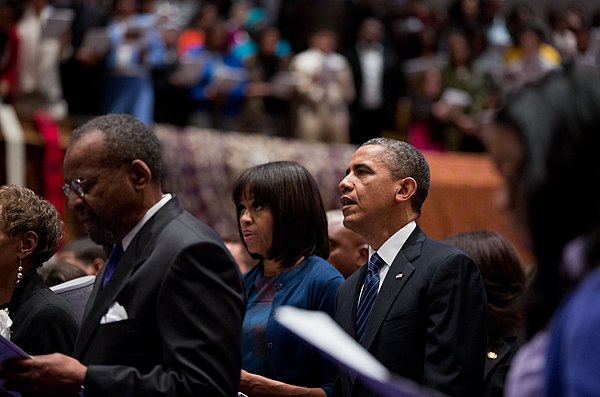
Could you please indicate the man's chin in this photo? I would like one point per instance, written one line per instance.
(101, 237)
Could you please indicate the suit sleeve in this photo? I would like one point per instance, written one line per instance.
(456, 329)
(199, 313)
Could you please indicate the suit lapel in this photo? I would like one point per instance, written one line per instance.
(134, 256)
(397, 277)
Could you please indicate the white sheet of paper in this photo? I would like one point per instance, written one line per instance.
(76, 292)
(321, 331)
(58, 23)
(457, 97)
(96, 40)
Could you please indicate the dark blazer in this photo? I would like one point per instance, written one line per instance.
(429, 320)
(497, 364)
(393, 86)
(43, 322)
(183, 296)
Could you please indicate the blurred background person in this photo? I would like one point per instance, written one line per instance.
(39, 62)
(30, 231)
(378, 82)
(282, 222)
(83, 253)
(543, 134)
(217, 96)
(136, 47)
(56, 272)
(325, 90)
(348, 250)
(238, 250)
(504, 279)
(266, 107)
(463, 97)
(530, 57)
(10, 12)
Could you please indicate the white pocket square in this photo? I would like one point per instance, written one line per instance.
(115, 313)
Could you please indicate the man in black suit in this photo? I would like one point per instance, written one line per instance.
(168, 320)
(428, 322)
(378, 82)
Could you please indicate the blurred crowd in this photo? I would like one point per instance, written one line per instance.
(333, 71)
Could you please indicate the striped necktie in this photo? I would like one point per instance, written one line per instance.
(369, 293)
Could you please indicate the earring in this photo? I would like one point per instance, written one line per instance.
(19, 270)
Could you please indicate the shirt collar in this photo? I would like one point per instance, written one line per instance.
(393, 245)
(153, 210)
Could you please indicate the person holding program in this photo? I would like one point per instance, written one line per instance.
(282, 223)
(165, 315)
(418, 306)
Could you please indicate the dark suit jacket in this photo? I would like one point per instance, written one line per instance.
(392, 87)
(183, 296)
(43, 322)
(429, 320)
(498, 365)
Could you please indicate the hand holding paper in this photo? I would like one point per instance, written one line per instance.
(319, 329)
(48, 375)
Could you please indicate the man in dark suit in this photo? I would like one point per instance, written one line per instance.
(428, 322)
(168, 320)
(378, 82)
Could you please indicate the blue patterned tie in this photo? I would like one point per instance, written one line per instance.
(369, 293)
(112, 261)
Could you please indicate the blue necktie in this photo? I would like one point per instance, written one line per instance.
(111, 263)
(369, 293)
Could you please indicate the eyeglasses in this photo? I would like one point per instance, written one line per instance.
(80, 186)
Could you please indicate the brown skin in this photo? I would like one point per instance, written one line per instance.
(12, 248)
(374, 204)
(121, 197)
(256, 224)
(347, 249)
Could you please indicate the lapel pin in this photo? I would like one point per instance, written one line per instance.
(399, 275)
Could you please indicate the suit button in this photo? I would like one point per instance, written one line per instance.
(279, 286)
(270, 345)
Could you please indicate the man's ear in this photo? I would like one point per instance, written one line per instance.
(406, 189)
(140, 173)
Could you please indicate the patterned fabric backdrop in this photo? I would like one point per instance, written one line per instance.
(200, 167)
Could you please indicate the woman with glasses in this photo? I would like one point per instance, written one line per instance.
(39, 321)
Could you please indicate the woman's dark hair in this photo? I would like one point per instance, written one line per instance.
(292, 195)
(503, 276)
(558, 121)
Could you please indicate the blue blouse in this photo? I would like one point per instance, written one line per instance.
(268, 348)
(573, 360)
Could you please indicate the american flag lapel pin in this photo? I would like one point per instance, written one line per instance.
(399, 276)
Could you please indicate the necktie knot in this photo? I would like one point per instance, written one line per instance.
(375, 263)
